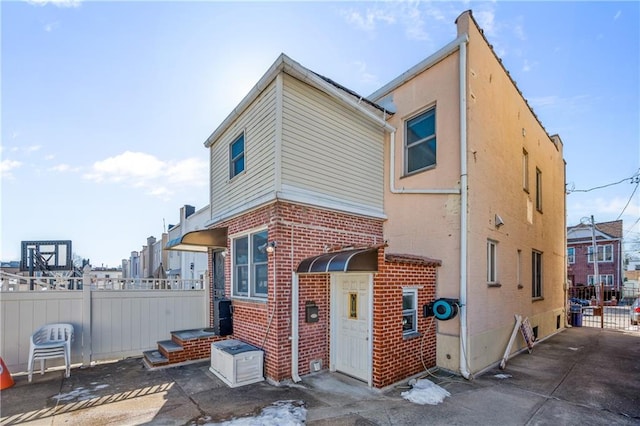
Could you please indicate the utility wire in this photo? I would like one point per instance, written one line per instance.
(634, 179)
(628, 201)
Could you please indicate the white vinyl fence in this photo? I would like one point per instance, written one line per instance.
(109, 322)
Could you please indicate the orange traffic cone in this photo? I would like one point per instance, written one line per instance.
(6, 381)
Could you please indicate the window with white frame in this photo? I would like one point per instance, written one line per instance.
(409, 311)
(492, 262)
(571, 255)
(536, 274)
(605, 279)
(250, 268)
(420, 142)
(605, 253)
(236, 157)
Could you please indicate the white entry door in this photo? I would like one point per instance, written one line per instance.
(351, 325)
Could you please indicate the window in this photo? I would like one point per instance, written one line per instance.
(519, 268)
(571, 255)
(536, 274)
(250, 268)
(492, 267)
(605, 279)
(538, 190)
(605, 253)
(420, 142)
(236, 157)
(525, 170)
(409, 311)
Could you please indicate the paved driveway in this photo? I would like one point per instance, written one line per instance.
(581, 376)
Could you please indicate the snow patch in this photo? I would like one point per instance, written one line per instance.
(280, 413)
(503, 376)
(424, 391)
(80, 393)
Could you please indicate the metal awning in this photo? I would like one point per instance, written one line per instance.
(200, 241)
(355, 260)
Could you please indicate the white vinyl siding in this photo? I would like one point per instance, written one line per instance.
(330, 151)
(258, 125)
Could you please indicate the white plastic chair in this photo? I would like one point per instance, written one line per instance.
(51, 341)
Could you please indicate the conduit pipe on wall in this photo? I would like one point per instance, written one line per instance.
(464, 370)
(294, 328)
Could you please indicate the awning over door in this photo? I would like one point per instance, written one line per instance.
(200, 241)
(355, 260)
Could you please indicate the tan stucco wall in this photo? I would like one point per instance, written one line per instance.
(499, 126)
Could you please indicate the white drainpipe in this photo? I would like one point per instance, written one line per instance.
(464, 344)
(295, 299)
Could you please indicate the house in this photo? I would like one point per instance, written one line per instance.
(581, 270)
(190, 264)
(338, 220)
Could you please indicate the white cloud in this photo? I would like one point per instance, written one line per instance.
(33, 148)
(58, 3)
(51, 26)
(411, 16)
(6, 166)
(617, 15)
(365, 76)
(62, 168)
(486, 21)
(158, 178)
(368, 21)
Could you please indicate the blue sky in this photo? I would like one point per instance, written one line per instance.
(106, 105)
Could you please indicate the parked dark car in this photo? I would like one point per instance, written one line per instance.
(634, 312)
(578, 301)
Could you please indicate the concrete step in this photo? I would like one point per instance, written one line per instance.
(169, 346)
(154, 358)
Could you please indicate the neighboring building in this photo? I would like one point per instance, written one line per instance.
(334, 219)
(580, 258)
(134, 266)
(187, 262)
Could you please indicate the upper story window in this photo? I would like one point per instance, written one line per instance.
(492, 262)
(571, 255)
(420, 142)
(605, 253)
(538, 190)
(605, 279)
(236, 157)
(409, 311)
(250, 269)
(525, 170)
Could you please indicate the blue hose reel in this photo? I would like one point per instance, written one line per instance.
(443, 309)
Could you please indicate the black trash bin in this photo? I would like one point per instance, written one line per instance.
(576, 315)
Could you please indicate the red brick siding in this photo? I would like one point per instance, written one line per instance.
(395, 357)
(300, 232)
(314, 337)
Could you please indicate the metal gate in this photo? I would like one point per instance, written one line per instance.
(585, 310)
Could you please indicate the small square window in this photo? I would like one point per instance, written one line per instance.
(409, 311)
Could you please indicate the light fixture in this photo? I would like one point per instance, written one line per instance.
(498, 221)
(271, 246)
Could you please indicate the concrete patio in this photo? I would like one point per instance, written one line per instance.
(580, 376)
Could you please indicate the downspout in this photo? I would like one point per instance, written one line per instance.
(295, 299)
(463, 211)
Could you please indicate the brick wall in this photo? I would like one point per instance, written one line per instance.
(300, 232)
(394, 356)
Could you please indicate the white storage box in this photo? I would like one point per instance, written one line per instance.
(236, 363)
